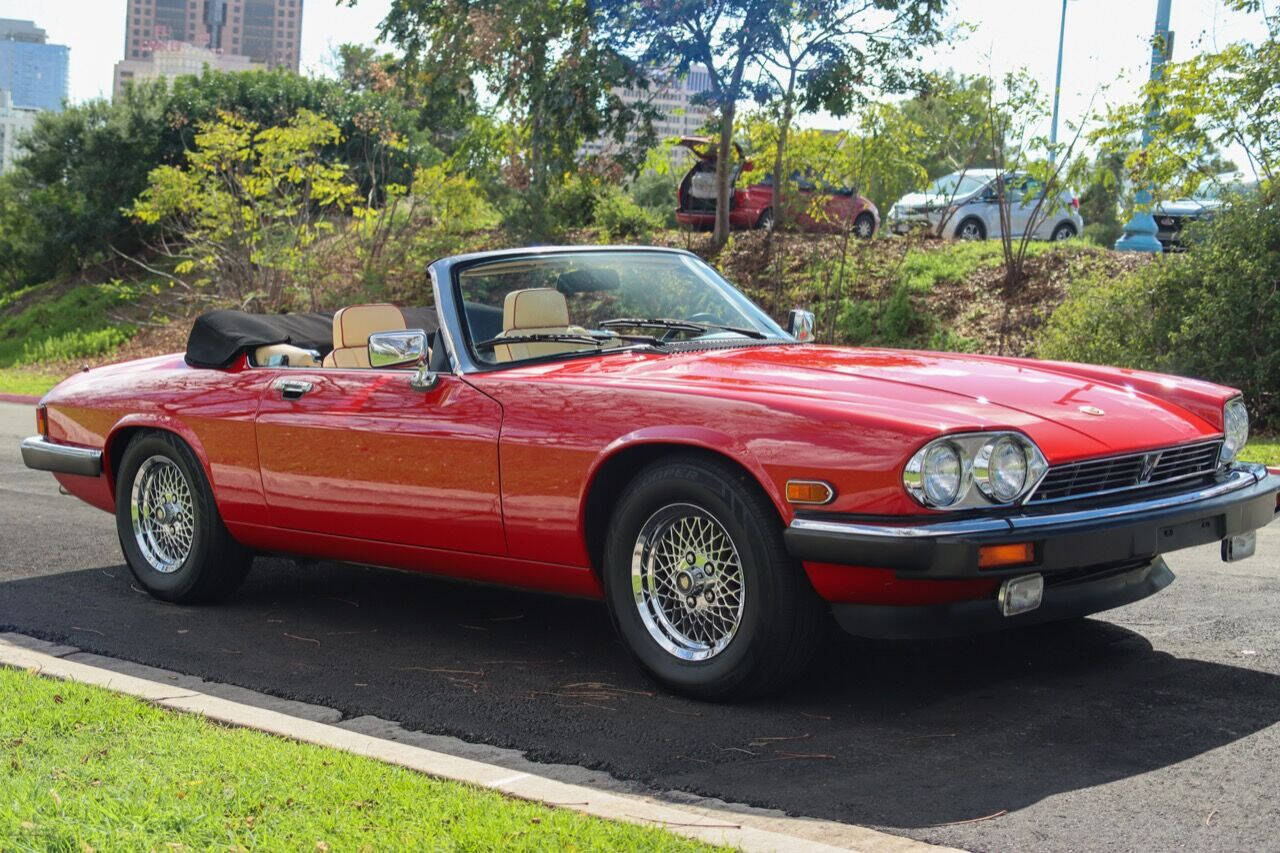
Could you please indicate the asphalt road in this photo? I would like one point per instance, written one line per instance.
(1151, 728)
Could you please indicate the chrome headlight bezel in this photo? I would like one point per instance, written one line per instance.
(1235, 429)
(980, 484)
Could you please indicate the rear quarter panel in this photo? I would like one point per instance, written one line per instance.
(212, 410)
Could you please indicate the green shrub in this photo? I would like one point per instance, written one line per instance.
(1102, 234)
(1213, 312)
(657, 193)
(573, 203)
(620, 218)
(77, 324)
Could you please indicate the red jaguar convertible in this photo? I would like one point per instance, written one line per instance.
(623, 424)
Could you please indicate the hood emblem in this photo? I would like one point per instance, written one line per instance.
(1092, 410)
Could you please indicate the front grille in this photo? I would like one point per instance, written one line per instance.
(1131, 471)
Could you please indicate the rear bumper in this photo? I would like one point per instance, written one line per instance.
(42, 454)
(1067, 597)
(1242, 499)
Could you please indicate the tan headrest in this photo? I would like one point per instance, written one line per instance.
(535, 308)
(353, 325)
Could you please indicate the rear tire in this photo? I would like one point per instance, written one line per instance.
(971, 229)
(732, 614)
(765, 222)
(1064, 231)
(170, 530)
(864, 227)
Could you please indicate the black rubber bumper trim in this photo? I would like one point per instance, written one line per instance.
(949, 549)
(1066, 601)
(41, 454)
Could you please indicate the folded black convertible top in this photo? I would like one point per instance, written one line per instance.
(219, 337)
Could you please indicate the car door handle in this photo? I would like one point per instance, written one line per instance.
(292, 389)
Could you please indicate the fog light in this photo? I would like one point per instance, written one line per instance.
(1020, 595)
(1238, 547)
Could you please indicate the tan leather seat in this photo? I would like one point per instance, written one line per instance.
(285, 355)
(538, 310)
(352, 327)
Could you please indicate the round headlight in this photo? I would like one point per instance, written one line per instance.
(1235, 429)
(942, 473)
(1001, 469)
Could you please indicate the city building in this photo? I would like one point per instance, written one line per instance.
(33, 71)
(673, 97)
(172, 59)
(13, 121)
(257, 33)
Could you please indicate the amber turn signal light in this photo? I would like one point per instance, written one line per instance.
(995, 556)
(809, 492)
(42, 421)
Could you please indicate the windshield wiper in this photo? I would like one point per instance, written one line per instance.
(568, 338)
(679, 326)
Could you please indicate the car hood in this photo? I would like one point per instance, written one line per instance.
(919, 392)
(1185, 207)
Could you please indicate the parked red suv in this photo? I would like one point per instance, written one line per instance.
(752, 206)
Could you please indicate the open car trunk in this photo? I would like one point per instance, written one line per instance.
(698, 188)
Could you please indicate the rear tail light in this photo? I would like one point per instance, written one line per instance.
(42, 421)
(1075, 204)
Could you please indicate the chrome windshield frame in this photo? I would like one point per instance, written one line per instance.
(452, 319)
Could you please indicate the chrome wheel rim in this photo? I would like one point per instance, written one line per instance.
(969, 231)
(688, 582)
(1061, 234)
(863, 227)
(163, 514)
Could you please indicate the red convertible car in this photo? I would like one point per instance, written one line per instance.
(621, 423)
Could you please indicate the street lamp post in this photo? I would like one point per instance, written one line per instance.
(1140, 231)
(1057, 87)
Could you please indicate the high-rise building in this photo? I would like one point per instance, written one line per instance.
(13, 121)
(33, 71)
(267, 33)
(680, 110)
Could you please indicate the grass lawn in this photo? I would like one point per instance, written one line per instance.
(84, 768)
(26, 382)
(1262, 448)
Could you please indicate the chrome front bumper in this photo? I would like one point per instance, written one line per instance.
(1242, 499)
(42, 454)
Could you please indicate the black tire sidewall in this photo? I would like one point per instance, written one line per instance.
(865, 217)
(1063, 227)
(183, 582)
(706, 488)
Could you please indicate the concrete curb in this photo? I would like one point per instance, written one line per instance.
(705, 820)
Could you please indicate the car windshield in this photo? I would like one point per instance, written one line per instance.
(956, 184)
(591, 302)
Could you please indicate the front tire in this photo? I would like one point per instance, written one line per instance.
(170, 531)
(700, 585)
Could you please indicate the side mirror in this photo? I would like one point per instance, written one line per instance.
(395, 349)
(800, 325)
(400, 348)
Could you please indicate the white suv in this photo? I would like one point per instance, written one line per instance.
(967, 202)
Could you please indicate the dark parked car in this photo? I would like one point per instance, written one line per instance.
(1172, 216)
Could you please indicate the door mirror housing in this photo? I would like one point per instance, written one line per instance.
(401, 349)
(800, 325)
(397, 349)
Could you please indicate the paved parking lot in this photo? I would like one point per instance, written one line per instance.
(1153, 727)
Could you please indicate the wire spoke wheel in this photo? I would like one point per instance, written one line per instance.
(688, 582)
(163, 514)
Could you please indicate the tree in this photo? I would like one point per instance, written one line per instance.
(1230, 98)
(725, 36)
(830, 54)
(547, 70)
(247, 204)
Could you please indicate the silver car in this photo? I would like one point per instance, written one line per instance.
(964, 204)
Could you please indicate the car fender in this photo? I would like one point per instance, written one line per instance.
(699, 437)
(157, 421)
